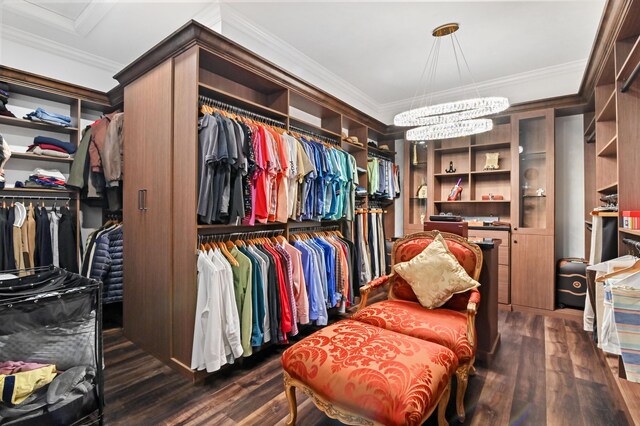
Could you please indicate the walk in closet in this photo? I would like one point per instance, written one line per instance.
(268, 168)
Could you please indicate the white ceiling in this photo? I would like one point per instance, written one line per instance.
(383, 48)
(370, 54)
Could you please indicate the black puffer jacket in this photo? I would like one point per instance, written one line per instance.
(108, 265)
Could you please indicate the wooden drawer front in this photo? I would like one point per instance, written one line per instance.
(503, 284)
(481, 233)
(503, 255)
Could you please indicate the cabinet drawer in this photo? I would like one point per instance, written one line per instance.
(482, 233)
(503, 285)
(503, 255)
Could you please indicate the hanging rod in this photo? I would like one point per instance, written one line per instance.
(630, 242)
(241, 111)
(314, 135)
(380, 156)
(632, 77)
(34, 197)
(314, 229)
(240, 235)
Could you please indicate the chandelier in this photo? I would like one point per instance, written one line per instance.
(451, 119)
(450, 130)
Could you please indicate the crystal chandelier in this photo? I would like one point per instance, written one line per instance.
(450, 130)
(451, 119)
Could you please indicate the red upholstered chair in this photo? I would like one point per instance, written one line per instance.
(452, 325)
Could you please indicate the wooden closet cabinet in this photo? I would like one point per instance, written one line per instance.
(147, 207)
(533, 210)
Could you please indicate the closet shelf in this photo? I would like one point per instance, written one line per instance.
(453, 175)
(608, 112)
(351, 147)
(38, 190)
(630, 62)
(226, 97)
(610, 149)
(380, 151)
(296, 122)
(609, 189)
(35, 157)
(452, 150)
(473, 202)
(28, 124)
(492, 172)
(492, 145)
(635, 232)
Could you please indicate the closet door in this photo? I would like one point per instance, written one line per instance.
(533, 210)
(148, 175)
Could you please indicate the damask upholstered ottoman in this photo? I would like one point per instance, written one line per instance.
(365, 375)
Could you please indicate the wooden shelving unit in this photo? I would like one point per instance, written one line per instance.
(616, 157)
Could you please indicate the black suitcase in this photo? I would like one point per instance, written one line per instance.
(571, 283)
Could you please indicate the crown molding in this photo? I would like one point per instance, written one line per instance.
(47, 45)
(211, 17)
(40, 14)
(515, 86)
(91, 16)
(285, 55)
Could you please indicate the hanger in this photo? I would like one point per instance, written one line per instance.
(631, 269)
(224, 248)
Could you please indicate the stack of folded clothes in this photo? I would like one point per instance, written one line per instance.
(43, 145)
(50, 179)
(4, 100)
(49, 117)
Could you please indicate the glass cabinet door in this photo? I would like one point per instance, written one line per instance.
(535, 172)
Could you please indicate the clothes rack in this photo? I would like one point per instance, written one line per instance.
(315, 229)
(633, 243)
(314, 135)
(238, 235)
(27, 197)
(241, 111)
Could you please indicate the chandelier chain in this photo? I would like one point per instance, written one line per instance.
(424, 70)
(455, 55)
(464, 58)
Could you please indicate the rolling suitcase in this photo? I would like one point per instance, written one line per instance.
(571, 283)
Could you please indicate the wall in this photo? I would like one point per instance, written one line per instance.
(37, 61)
(569, 187)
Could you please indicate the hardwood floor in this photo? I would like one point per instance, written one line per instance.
(546, 371)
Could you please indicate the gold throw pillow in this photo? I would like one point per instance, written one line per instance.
(435, 274)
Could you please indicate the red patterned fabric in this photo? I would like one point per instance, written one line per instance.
(407, 250)
(442, 326)
(387, 377)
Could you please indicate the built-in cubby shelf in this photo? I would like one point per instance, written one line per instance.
(610, 149)
(608, 112)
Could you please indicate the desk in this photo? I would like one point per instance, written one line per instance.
(487, 317)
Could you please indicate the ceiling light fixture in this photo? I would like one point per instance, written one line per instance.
(450, 130)
(442, 117)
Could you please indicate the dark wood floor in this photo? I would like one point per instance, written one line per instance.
(546, 372)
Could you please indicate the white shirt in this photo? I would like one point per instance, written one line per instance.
(229, 317)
